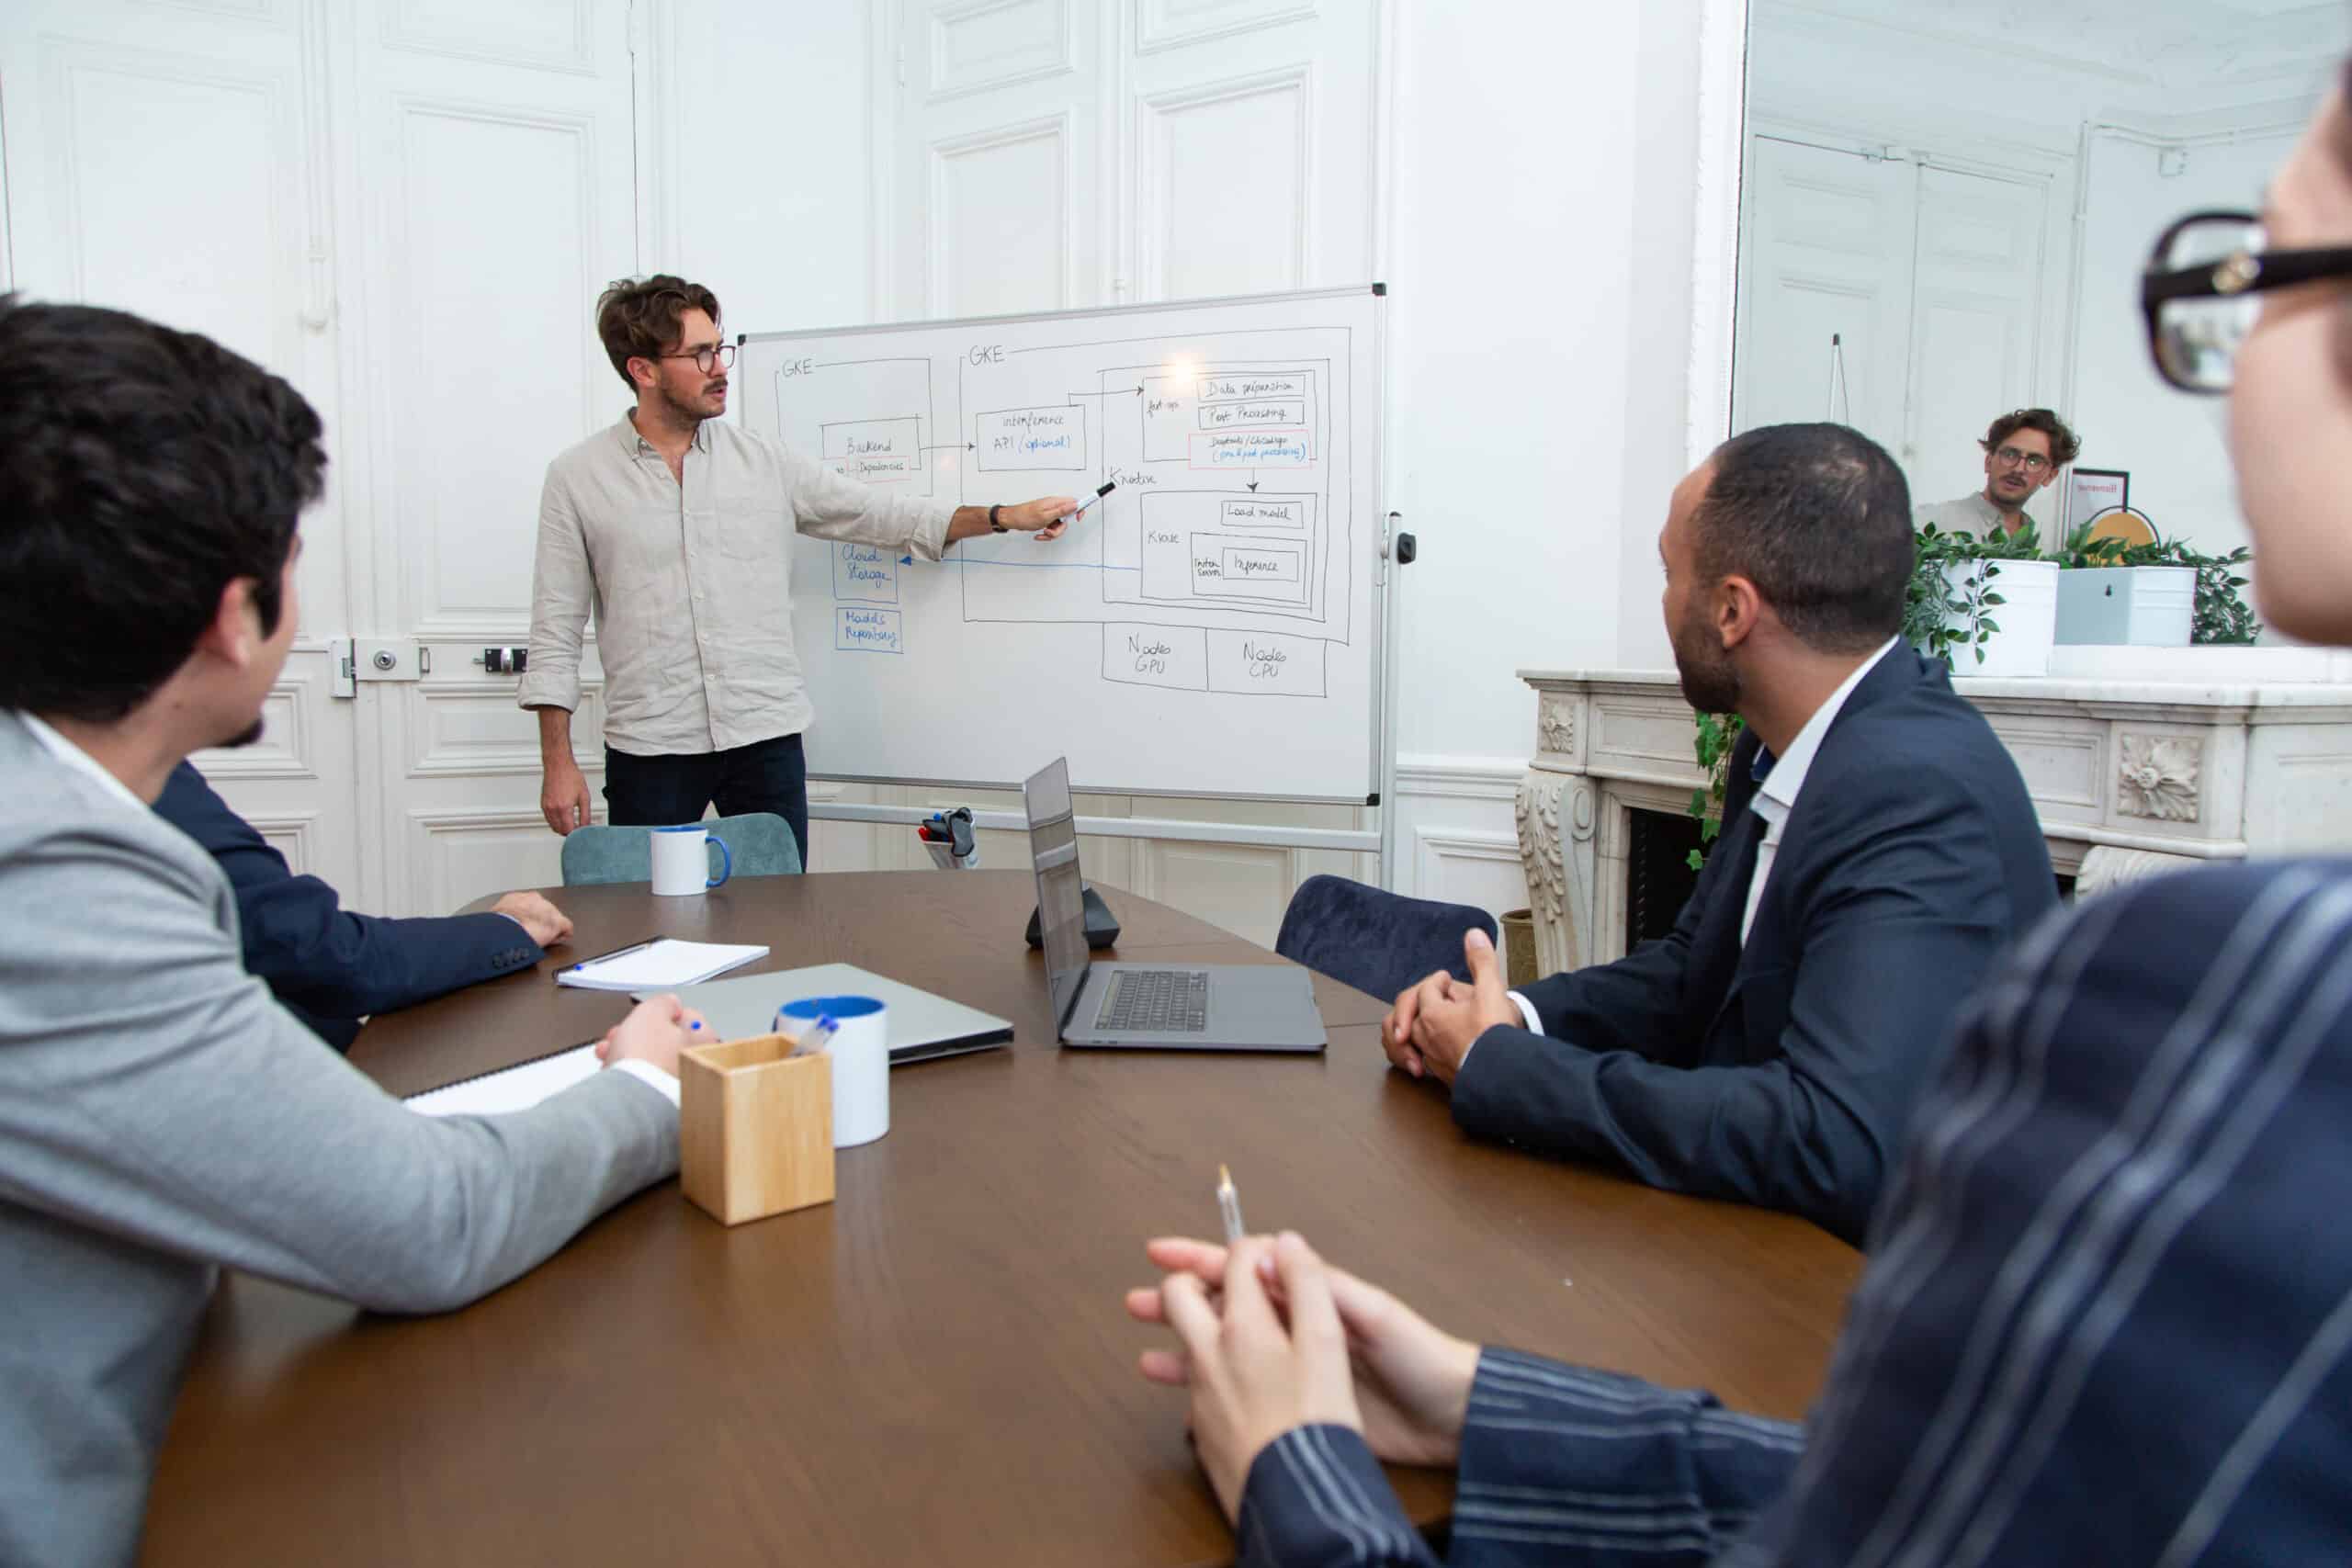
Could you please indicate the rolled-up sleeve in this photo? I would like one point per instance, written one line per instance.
(563, 584)
(829, 507)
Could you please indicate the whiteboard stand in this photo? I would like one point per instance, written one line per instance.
(1220, 626)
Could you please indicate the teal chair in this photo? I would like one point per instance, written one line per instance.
(760, 841)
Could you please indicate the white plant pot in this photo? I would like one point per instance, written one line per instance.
(2028, 616)
(2152, 606)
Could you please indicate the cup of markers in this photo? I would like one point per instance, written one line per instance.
(858, 1040)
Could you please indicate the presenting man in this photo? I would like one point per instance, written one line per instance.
(2024, 449)
(1878, 850)
(676, 529)
(330, 967)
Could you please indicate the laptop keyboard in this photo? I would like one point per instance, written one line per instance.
(1157, 1001)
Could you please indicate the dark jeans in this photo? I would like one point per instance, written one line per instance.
(663, 792)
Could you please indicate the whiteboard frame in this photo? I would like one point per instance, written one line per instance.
(1379, 519)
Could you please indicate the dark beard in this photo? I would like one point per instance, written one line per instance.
(245, 737)
(1714, 689)
(1710, 679)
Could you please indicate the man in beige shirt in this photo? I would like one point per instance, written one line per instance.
(2024, 450)
(676, 530)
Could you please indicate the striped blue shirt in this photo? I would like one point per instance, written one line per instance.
(2106, 1317)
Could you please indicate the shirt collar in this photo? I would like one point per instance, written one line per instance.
(636, 445)
(80, 762)
(1783, 776)
(1990, 517)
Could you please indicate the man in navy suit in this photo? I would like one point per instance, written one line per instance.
(1878, 849)
(330, 967)
(2107, 1316)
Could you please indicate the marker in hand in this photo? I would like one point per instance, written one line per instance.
(1091, 499)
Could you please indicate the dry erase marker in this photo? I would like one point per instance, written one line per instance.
(1228, 1205)
(1091, 499)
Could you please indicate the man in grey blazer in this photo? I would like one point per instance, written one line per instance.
(160, 1115)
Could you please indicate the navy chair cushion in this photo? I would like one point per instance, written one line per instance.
(1374, 941)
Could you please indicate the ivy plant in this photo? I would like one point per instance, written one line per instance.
(1717, 734)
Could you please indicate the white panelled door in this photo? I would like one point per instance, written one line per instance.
(1826, 253)
(1056, 154)
(1930, 276)
(406, 208)
(174, 161)
(494, 198)
(1976, 316)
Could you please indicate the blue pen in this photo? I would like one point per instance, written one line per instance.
(818, 1036)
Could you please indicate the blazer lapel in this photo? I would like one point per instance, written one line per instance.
(1716, 945)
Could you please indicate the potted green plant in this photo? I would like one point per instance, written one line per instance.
(2104, 599)
(1983, 606)
(2162, 593)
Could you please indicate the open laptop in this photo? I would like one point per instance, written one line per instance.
(1224, 1007)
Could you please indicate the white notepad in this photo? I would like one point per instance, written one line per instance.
(516, 1088)
(660, 965)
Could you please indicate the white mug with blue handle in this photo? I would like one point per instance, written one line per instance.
(682, 861)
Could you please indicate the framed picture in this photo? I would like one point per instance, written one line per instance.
(2090, 491)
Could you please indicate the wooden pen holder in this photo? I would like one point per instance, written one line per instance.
(755, 1128)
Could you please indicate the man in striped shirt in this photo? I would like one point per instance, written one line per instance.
(2107, 1316)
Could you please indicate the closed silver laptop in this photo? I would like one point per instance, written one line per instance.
(1224, 1007)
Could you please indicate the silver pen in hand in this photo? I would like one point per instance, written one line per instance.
(1228, 1205)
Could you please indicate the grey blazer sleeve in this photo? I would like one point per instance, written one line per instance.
(152, 1088)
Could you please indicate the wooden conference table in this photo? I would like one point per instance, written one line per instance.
(935, 1367)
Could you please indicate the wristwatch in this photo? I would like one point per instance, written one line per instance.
(995, 526)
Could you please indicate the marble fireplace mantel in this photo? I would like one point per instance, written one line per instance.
(2139, 761)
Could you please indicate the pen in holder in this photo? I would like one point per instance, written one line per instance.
(948, 836)
(755, 1127)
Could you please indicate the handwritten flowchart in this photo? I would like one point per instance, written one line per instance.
(1220, 563)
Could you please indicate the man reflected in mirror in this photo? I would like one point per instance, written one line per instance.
(2024, 450)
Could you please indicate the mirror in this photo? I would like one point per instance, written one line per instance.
(1946, 206)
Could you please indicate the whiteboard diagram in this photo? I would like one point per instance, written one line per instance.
(1223, 588)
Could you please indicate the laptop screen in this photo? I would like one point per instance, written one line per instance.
(1062, 898)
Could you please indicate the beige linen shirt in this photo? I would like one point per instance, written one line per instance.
(691, 583)
(1971, 514)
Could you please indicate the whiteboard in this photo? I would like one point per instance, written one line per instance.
(1210, 627)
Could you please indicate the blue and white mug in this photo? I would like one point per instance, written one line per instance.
(682, 861)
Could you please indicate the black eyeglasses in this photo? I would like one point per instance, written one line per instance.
(2199, 293)
(717, 356)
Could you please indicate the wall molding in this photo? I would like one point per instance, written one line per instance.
(581, 61)
(1155, 116)
(1440, 776)
(1057, 126)
(1153, 33)
(419, 569)
(295, 825)
(433, 755)
(938, 89)
(429, 834)
(284, 752)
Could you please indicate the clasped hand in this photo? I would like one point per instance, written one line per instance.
(1433, 1024)
(1274, 1338)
